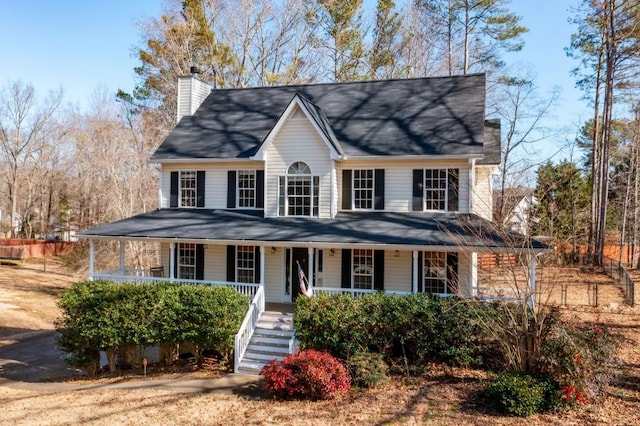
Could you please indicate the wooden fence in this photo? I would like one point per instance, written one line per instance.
(18, 249)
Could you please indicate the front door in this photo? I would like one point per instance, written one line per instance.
(294, 256)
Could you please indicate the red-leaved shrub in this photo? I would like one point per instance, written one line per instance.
(306, 374)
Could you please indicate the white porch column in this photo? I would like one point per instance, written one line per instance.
(332, 198)
(172, 260)
(532, 281)
(262, 262)
(474, 274)
(415, 271)
(310, 274)
(92, 258)
(121, 259)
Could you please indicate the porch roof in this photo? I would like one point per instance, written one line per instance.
(434, 230)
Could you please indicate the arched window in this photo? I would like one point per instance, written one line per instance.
(299, 191)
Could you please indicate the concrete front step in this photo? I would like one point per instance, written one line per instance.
(268, 339)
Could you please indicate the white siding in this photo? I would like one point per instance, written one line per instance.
(483, 192)
(215, 263)
(332, 269)
(191, 93)
(398, 180)
(297, 140)
(398, 271)
(215, 196)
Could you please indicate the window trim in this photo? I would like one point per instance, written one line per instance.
(239, 198)
(314, 192)
(181, 189)
(371, 190)
(179, 264)
(445, 201)
(246, 250)
(370, 254)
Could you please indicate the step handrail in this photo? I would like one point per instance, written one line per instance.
(243, 337)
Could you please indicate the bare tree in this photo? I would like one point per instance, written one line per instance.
(27, 125)
(521, 112)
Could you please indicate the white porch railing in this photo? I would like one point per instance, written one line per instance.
(143, 276)
(353, 292)
(242, 339)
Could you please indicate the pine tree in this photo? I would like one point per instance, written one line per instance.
(383, 55)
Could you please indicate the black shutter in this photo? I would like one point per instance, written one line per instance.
(176, 252)
(452, 191)
(231, 189)
(231, 263)
(379, 189)
(200, 188)
(418, 190)
(346, 268)
(347, 185)
(378, 269)
(420, 272)
(259, 189)
(199, 262)
(452, 272)
(173, 199)
(256, 262)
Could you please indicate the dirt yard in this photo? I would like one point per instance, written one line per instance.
(444, 396)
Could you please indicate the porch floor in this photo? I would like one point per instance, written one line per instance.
(283, 308)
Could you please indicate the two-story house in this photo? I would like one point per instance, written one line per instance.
(374, 185)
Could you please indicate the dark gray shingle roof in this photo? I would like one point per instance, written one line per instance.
(427, 116)
(410, 229)
(492, 143)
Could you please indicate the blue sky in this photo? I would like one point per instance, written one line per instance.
(80, 45)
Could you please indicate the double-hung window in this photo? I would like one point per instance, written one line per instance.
(435, 272)
(246, 188)
(363, 189)
(187, 188)
(439, 272)
(245, 264)
(299, 192)
(363, 269)
(186, 261)
(435, 189)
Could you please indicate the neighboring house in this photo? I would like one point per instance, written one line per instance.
(368, 186)
(517, 204)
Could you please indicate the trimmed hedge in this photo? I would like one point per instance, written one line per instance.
(112, 317)
(407, 329)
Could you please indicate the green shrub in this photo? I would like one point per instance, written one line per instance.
(521, 394)
(367, 369)
(307, 374)
(114, 317)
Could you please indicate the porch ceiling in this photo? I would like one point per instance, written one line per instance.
(436, 230)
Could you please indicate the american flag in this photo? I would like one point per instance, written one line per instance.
(305, 288)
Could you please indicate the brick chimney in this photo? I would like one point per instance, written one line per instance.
(191, 93)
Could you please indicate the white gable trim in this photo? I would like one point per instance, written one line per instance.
(288, 112)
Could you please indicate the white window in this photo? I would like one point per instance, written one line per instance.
(363, 269)
(435, 189)
(246, 188)
(363, 185)
(187, 261)
(188, 188)
(298, 192)
(245, 264)
(434, 272)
